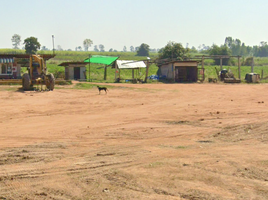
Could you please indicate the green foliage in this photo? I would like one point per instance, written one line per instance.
(16, 39)
(239, 48)
(143, 50)
(262, 50)
(210, 71)
(173, 51)
(222, 50)
(31, 45)
(247, 61)
(87, 43)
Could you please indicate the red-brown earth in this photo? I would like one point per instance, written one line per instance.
(140, 141)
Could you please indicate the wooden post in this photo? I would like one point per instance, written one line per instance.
(147, 70)
(174, 71)
(89, 67)
(252, 65)
(221, 62)
(202, 62)
(203, 68)
(105, 72)
(115, 74)
(132, 73)
(239, 70)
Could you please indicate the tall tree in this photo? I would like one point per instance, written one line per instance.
(125, 49)
(16, 39)
(31, 45)
(96, 48)
(143, 50)
(262, 50)
(87, 43)
(101, 46)
(173, 51)
(228, 42)
(131, 48)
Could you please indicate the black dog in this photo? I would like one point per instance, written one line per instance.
(102, 88)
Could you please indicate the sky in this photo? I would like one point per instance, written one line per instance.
(119, 23)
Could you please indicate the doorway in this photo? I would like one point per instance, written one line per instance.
(76, 73)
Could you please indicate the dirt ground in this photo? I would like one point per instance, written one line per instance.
(140, 141)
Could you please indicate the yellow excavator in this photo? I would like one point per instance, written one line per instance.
(37, 74)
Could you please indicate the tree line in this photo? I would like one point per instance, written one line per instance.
(31, 46)
(172, 50)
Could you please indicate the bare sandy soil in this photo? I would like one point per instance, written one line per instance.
(143, 141)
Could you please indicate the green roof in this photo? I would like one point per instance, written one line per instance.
(107, 60)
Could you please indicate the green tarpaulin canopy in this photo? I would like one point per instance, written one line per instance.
(107, 60)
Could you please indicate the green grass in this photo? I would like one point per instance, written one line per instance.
(210, 71)
(97, 71)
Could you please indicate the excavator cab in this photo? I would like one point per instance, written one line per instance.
(37, 74)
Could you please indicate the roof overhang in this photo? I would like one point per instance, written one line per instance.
(130, 64)
(66, 64)
(97, 59)
(45, 56)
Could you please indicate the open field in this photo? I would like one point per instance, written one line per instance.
(142, 141)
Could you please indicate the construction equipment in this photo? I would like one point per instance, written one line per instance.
(37, 74)
(226, 76)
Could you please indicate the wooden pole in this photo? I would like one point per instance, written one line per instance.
(147, 71)
(239, 69)
(202, 62)
(89, 67)
(203, 71)
(132, 73)
(221, 62)
(115, 74)
(252, 65)
(105, 72)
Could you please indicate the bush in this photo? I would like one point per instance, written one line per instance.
(248, 61)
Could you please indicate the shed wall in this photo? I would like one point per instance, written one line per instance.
(69, 72)
(166, 70)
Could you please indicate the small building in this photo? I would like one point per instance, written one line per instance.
(74, 70)
(180, 71)
(11, 64)
(9, 69)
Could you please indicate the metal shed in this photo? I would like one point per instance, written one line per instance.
(181, 71)
(74, 70)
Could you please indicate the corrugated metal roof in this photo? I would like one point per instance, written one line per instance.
(130, 64)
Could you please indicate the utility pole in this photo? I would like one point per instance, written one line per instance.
(53, 44)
